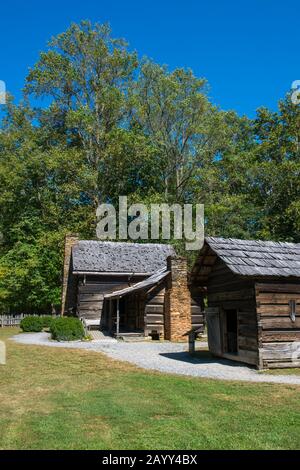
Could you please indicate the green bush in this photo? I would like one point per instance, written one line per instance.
(32, 323)
(66, 329)
(47, 320)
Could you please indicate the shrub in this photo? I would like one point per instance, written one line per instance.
(66, 329)
(32, 323)
(47, 320)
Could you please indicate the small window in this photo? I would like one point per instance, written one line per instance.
(293, 305)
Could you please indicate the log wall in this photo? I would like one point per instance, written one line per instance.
(197, 308)
(278, 335)
(90, 294)
(154, 311)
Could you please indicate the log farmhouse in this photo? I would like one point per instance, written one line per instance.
(253, 300)
(129, 289)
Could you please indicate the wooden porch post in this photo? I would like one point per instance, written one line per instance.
(110, 315)
(118, 316)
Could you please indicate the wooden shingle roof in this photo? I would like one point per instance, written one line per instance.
(254, 258)
(146, 284)
(90, 256)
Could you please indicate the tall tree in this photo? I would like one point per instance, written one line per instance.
(186, 129)
(277, 182)
(86, 74)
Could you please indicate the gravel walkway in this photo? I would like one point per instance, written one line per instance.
(164, 357)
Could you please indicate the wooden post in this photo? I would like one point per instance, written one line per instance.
(110, 325)
(118, 316)
(192, 339)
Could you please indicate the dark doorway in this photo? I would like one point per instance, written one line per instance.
(231, 329)
(129, 315)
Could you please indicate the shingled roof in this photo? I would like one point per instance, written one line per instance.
(91, 256)
(146, 284)
(250, 257)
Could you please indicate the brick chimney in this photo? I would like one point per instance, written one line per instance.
(68, 296)
(177, 301)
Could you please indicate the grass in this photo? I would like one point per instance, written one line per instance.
(54, 398)
(287, 371)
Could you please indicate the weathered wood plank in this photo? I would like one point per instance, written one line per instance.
(154, 308)
(247, 330)
(232, 295)
(244, 342)
(90, 297)
(281, 365)
(197, 318)
(153, 318)
(275, 310)
(280, 351)
(195, 309)
(278, 336)
(156, 300)
(98, 288)
(282, 298)
(247, 320)
(281, 287)
(89, 311)
(287, 346)
(227, 286)
(90, 306)
(279, 322)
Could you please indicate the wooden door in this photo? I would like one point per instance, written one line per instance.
(213, 330)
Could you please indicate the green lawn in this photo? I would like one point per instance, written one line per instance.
(286, 371)
(73, 399)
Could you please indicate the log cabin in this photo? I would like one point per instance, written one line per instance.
(253, 300)
(129, 289)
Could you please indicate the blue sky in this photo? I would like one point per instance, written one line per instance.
(248, 50)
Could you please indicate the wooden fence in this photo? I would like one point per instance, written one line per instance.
(15, 320)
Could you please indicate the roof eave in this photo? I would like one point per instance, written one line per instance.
(110, 273)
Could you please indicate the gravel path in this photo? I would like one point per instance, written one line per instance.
(164, 357)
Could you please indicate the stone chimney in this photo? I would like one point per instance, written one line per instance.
(178, 320)
(68, 296)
